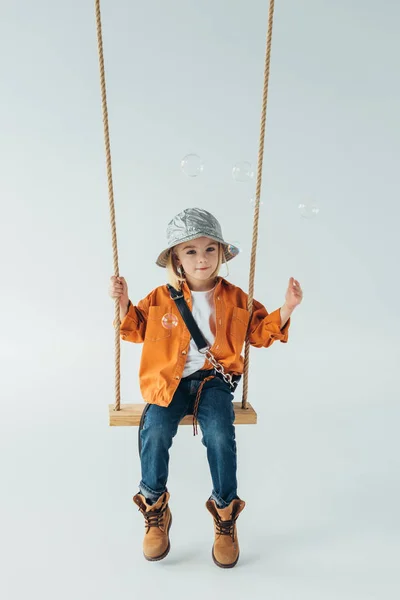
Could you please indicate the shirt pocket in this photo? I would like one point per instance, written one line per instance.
(155, 330)
(238, 326)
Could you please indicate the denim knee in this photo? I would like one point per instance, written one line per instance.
(156, 432)
(219, 434)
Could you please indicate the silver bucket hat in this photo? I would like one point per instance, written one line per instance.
(190, 224)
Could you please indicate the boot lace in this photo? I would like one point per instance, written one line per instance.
(154, 518)
(226, 527)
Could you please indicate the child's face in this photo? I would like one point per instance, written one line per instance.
(199, 258)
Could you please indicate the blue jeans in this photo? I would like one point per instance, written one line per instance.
(216, 419)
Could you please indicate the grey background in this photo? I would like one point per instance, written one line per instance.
(319, 472)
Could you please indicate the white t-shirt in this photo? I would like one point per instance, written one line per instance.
(203, 312)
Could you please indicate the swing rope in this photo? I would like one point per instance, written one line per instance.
(111, 203)
(258, 195)
(117, 322)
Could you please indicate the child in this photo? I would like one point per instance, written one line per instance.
(176, 379)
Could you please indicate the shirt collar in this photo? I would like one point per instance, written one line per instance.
(186, 289)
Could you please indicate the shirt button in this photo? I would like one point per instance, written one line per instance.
(184, 352)
(176, 376)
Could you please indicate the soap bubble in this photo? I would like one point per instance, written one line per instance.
(169, 321)
(234, 248)
(192, 165)
(253, 201)
(308, 210)
(243, 172)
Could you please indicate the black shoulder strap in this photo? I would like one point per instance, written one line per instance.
(188, 318)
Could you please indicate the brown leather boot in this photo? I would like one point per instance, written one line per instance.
(158, 519)
(225, 550)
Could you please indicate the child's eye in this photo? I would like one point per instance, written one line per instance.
(191, 251)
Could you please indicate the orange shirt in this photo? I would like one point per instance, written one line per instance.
(164, 350)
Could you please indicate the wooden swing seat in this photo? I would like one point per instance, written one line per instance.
(130, 415)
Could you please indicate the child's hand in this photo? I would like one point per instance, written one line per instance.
(118, 288)
(294, 294)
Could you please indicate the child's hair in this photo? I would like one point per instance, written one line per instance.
(176, 280)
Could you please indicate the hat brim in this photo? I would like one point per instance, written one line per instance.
(230, 250)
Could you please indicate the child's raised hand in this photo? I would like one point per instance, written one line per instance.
(118, 288)
(294, 294)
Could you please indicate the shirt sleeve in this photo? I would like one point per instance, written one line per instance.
(265, 328)
(133, 325)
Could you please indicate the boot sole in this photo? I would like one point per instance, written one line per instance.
(157, 558)
(221, 565)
